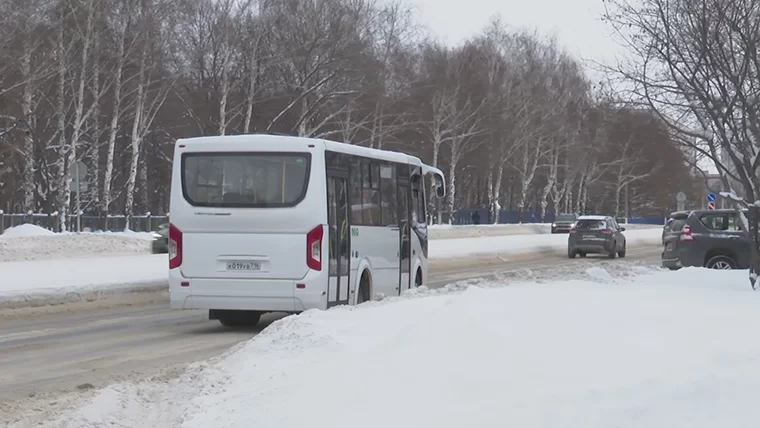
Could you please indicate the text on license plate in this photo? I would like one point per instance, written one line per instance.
(589, 237)
(243, 266)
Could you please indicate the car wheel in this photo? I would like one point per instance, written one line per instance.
(571, 253)
(612, 253)
(621, 253)
(721, 262)
(582, 254)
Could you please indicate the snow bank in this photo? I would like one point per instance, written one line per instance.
(444, 231)
(25, 230)
(46, 246)
(657, 350)
(29, 242)
(522, 244)
(41, 282)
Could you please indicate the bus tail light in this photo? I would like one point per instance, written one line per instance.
(175, 247)
(314, 248)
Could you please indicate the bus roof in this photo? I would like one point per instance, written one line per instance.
(386, 155)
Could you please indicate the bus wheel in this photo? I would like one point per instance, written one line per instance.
(364, 286)
(418, 279)
(239, 318)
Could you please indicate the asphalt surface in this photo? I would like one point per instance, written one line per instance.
(71, 350)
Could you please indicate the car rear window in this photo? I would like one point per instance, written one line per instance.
(677, 224)
(591, 225)
(245, 179)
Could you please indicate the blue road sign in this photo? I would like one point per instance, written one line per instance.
(711, 197)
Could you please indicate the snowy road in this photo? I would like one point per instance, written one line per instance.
(72, 349)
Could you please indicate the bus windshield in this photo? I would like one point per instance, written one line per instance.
(245, 179)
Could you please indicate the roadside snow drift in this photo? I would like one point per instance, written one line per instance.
(665, 349)
(524, 244)
(30, 242)
(40, 282)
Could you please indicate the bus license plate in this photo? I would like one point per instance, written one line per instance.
(243, 266)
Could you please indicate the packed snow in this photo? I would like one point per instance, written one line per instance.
(30, 242)
(25, 230)
(447, 231)
(522, 244)
(62, 280)
(44, 278)
(640, 348)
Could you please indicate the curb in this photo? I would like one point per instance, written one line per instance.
(78, 295)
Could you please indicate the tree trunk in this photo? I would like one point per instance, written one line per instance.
(94, 152)
(64, 172)
(225, 91)
(452, 190)
(26, 109)
(114, 125)
(497, 193)
(136, 139)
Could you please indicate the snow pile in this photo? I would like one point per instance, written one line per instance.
(25, 230)
(666, 349)
(522, 244)
(67, 245)
(43, 281)
(69, 276)
(447, 231)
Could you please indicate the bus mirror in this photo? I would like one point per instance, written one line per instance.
(440, 186)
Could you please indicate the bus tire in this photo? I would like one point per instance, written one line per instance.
(418, 278)
(239, 318)
(364, 289)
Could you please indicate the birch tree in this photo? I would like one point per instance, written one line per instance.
(150, 94)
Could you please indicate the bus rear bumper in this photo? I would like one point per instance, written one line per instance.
(247, 294)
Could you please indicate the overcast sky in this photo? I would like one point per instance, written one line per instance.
(576, 23)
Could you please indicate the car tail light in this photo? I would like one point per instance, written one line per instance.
(573, 230)
(686, 234)
(314, 248)
(606, 231)
(175, 247)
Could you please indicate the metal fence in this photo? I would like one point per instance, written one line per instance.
(113, 223)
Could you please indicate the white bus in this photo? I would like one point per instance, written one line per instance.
(263, 223)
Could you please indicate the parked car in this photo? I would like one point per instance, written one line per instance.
(596, 234)
(564, 222)
(160, 244)
(714, 239)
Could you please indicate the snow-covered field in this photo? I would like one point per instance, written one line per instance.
(621, 346)
(38, 267)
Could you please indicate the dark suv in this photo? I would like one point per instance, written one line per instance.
(595, 234)
(713, 239)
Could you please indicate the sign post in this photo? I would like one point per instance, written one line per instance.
(681, 201)
(711, 201)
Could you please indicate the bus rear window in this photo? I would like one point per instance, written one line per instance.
(245, 179)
